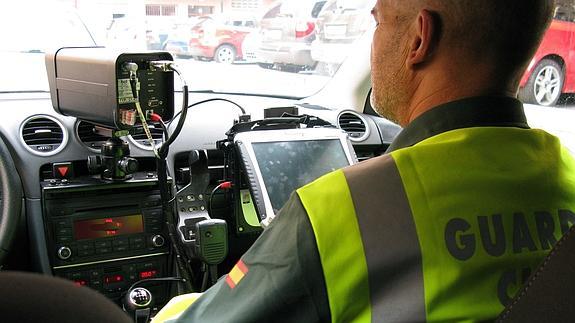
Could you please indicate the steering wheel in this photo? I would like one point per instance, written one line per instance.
(10, 200)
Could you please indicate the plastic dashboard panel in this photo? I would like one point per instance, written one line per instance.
(205, 125)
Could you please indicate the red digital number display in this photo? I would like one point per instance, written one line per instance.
(108, 227)
(148, 274)
(113, 279)
(80, 282)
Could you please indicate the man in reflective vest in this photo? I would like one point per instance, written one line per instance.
(449, 223)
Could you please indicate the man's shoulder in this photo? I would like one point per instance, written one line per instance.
(338, 182)
(370, 167)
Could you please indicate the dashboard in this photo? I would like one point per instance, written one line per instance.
(110, 234)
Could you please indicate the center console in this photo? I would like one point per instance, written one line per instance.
(107, 235)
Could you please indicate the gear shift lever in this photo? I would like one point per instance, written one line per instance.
(139, 302)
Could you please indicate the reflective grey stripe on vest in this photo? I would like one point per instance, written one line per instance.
(390, 241)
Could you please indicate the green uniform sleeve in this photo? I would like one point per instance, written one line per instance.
(281, 280)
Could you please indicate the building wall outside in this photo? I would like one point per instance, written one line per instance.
(129, 23)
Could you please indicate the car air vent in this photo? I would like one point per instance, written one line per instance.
(140, 139)
(43, 135)
(354, 124)
(91, 135)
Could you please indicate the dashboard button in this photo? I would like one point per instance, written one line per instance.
(154, 202)
(103, 244)
(155, 228)
(64, 253)
(158, 241)
(94, 273)
(137, 240)
(130, 268)
(154, 213)
(62, 223)
(137, 243)
(154, 221)
(121, 248)
(84, 253)
(63, 231)
(96, 284)
(103, 250)
(121, 242)
(86, 246)
(148, 265)
(140, 245)
(63, 239)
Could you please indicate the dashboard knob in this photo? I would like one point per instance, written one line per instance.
(94, 164)
(64, 253)
(158, 241)
(128, 165)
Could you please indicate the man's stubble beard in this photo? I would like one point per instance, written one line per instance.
(390, 81)
(387, 97)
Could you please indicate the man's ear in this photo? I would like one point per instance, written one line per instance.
(424, 40)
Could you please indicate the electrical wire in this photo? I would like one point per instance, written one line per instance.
(147, 129)
(205, 279)
(135, 86)
(162, 279)
(212, 100)
(213, 269)
(224, 185)
(157, 118)
(182, 259)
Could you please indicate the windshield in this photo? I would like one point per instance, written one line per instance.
(288, 48)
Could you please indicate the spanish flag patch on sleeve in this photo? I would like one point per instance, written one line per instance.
(236, 274)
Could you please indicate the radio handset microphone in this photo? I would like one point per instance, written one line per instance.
(211, 246)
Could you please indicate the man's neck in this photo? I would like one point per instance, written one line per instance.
(432, 91)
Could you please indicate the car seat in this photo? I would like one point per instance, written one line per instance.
(549, 294)
(30, 297)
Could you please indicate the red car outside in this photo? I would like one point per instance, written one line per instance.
(552, 70)
(220, 39)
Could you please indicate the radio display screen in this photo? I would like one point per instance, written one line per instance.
(108, 227)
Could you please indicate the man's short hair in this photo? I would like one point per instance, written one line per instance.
(508, 31)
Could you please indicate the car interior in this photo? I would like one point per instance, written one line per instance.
(141, 173)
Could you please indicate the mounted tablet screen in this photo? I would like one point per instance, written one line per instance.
(289, 165)
(281, 161)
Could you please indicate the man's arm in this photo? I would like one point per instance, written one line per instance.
(279, 279)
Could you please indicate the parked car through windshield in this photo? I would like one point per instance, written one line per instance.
(220, 38)
(258, 58)
(338, 26)
(552, 70)
(287, 31)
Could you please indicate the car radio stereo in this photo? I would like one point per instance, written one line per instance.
(106, 235)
